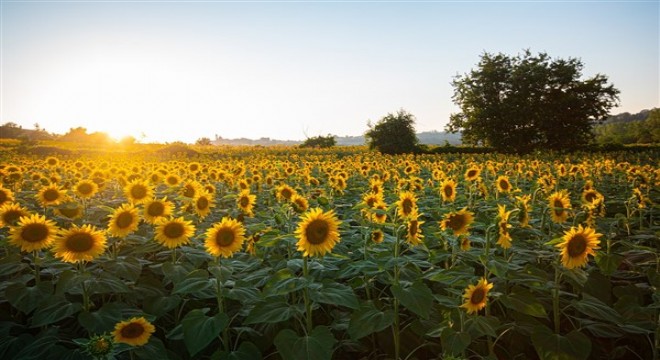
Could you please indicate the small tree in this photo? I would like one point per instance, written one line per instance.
(204, 141)
(319, 142)
(393, 134)
(528, 102)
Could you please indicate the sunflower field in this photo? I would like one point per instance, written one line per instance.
(323, 254)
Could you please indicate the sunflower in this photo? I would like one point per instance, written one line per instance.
(318, 232)
(172, 180)
(71, 211)
(225, 238)
(407, 204)
(79, 243)
(123, 221)
(502, 184)
(284, 192)
(52, 161)
(33, 233)
(138, 191)
(6, 196)
(51, 195)
(299, 203)
(472, 173)
(99, 346)
(590, 196)
(245, 201)
(577, 244)
(377, 236)
(10, 214)
(380, 215)
(174, 232)
(523, 207)
(85, 189)
(203, 202)
(476, 296)
(465, 243)
(458, 221)
(190, 189)
(559, 204)
(448, 190)
(505, 238)
(414, 232)
(156, 209)
(134, 332)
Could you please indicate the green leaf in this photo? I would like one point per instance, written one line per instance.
(154, 349)
(242, 291)
(26, 298)
(336, 294)
(69, 280)
(128, 268)
(368, 320)
(479, 326)
(52, 310)
(246, 351)
(608, 263)
(284, 282)
(102, 320)
(195, 281)
(524, 302)
(199, 330)
(597, 309)
(454, 342)
(417, 298)
(271, 311)
(318, 345)
(11, 265)
(161, 305)
(551, 346)
(106, 284)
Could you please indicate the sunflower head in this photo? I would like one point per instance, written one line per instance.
(172, 233)
(459, 222)
(138, 191)
(51, 195)
(10, 214)
(577, 244)
(100, 346)
(502, 184)
(284, 192)
(157, 209)
(245, 201)
(377, 236)
(6, 196)
(560, 204)
(33, 233)
(134, 332)
(123, 221)
(407, 204)
(472, 173)
(203, 202)
(79, 243)
(476, 296)
(318, 232)
(225, 238)
(71, 210)
(299, 203)
(85, 189)
(414, 232)
(448, 190)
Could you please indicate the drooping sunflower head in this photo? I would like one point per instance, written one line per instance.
(448, 190)
(85, 189)
(51, 195)
(377, 236)
(577, 244)
(70, 210)
(502, 184)
(318, 232)
(33, 233)
(172, 233)
(414, 234)
(245, 201)
(6, 196)
(123, 221)
(79, 243)
(225, 238)
(157, 209)
(379, 216)
(138, 191)
(299, 203)
(560, 205)
(591, 196)
(10, 214)
(134, 332)
(465, 243)
(459, 221)
(523, 207)
(407, 204)
(476, 296)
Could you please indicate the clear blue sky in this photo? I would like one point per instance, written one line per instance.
(182, 70)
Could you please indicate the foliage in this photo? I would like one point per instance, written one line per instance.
(204, 141)
(393, 134)
(319, 142)
(526, 102)
(642, 129)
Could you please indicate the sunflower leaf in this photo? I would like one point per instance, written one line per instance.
(336, 294)
(454, 342)
(26, 298)
(196, 281)
(551, 346)
(368, 320)
(271, 311)
(52, 310)
(199, 330)
(315, 346)
(417, 298)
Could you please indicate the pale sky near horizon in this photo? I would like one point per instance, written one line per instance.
(181, 70)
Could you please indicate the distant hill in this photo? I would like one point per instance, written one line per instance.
(627, 117)
(427, 137)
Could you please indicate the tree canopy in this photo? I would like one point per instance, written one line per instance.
(319, 142)
(393, 134)
(526, 102)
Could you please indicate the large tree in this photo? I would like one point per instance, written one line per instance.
(393, 134)
(526, 102)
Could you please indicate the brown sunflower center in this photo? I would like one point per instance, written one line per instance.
(173, 230)
(317, 231)
(138, 192)
(407, 206)
(155, 209)
(11, 217)
(478, 296)
(504, 185)
(590, 196)
(51, 195)
(577, 245)
(132, 331)
(34, 233)
(455, 222)
(79, 242)
(413, 227)
(224, 237)
(202, 203)
(559, 207)
(172, 180)
(448, 191)
(286, 193)
(471, 174)
(189, 191)
(85, 189)
(124, 220)
(3, 196)
(69, 212)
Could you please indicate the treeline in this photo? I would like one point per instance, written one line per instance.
(79, 134)
(626, 128)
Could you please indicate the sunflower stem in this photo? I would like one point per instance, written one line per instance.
(221, 304)
(174, 255)
(37, 270)
(396, 326)
(308, 305)
(555, 298)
